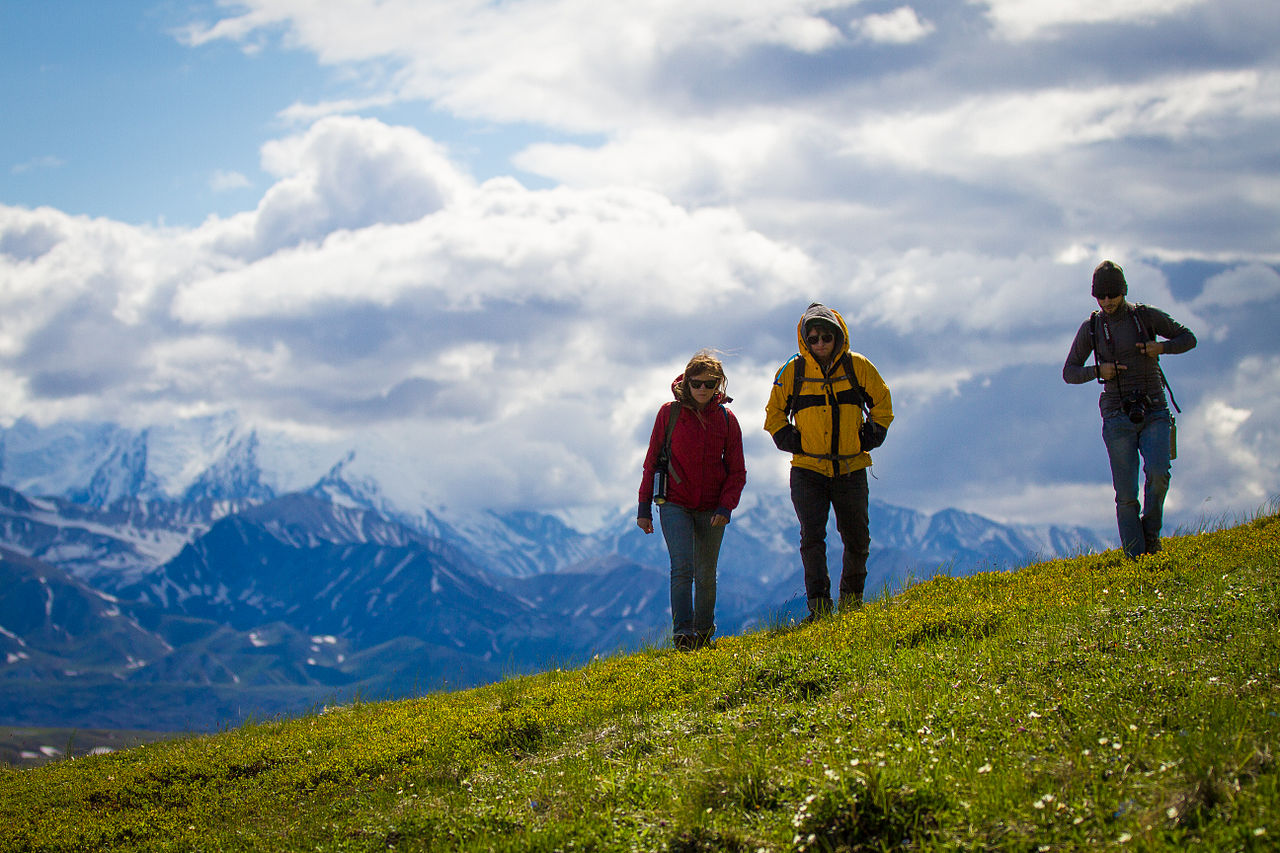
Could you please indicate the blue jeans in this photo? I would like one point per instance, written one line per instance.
(1125, 440)
(694, 547)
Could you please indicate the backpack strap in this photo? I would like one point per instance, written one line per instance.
(855, 394)
(1144, 334)
(664, 458)
(1093, 342)
(797, 380)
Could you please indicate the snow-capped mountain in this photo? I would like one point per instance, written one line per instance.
(227, 571)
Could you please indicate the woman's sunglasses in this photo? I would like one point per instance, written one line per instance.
(710, 384)
(825, 337)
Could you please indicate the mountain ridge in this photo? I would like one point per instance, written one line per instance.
(335, 588)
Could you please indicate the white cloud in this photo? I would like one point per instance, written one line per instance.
(222, 181)
(1227, 461)
(901, 26)
(987, 131)
(343, 173)
(696, 160)
(1027, 19)
(529, 61)
(735, 161)
(1250, 284)
(36, 164)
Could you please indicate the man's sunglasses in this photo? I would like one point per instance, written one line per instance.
(816, 338)
(710, 384)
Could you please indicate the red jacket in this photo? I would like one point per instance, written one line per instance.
(706, 455)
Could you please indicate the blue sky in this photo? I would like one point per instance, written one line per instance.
(440, 228)
(119, 118)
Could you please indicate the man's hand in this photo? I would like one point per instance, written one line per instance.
(872, 435)
(788, 439)
(1107, 369)
(645, 524)
(719, 520)
(1151, 349)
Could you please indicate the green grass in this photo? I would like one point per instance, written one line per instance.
(1083, 703)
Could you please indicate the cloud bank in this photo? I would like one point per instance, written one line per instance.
(694, 175)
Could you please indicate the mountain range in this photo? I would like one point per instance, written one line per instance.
(197, 575)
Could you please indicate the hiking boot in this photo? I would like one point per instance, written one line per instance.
(703, 638)
(819, 608)
(685, 642)
(850, 603)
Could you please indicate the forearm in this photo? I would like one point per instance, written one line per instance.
(1078, 374)
(1074, 369)
(1180, 344)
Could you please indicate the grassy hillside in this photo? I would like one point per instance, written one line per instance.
(1080, 703)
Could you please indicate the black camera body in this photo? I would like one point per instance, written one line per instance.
(1135, 407)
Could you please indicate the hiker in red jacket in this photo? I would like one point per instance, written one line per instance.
(694, 471)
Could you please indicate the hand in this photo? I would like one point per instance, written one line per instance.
(719, 520)
(788, 439)
(646, 524)
(872, 435)
(1107, 369)
(1151, 349)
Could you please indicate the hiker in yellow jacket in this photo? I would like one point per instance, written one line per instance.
(829, 408)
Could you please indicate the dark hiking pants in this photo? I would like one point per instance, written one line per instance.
(813, 494)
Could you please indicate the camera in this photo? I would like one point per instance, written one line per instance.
(1135, 407)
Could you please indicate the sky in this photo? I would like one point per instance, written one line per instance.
(483, 237)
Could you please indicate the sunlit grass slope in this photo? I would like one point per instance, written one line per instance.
(1080, 703)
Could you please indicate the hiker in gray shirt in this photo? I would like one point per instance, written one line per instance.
(1135, 412)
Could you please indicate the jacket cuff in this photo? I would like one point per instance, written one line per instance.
(645, 511)
(727, 513)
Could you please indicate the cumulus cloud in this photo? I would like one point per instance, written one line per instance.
(1232, 466)
(543, 322)
(901, 26)
(686, 175)
(528, 61)
(990, 129)
(1249, 284)
(1027, 19)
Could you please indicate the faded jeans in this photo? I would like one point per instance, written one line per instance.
(1126, 441)
(694, 546)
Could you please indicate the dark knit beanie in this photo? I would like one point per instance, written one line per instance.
(1108, 280)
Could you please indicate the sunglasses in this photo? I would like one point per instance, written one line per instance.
(709, 384)
(825, 338)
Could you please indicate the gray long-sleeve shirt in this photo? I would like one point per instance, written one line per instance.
(1117, 338)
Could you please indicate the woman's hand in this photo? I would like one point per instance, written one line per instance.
(646, 524)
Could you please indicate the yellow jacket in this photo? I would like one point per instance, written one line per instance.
(828, 412)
